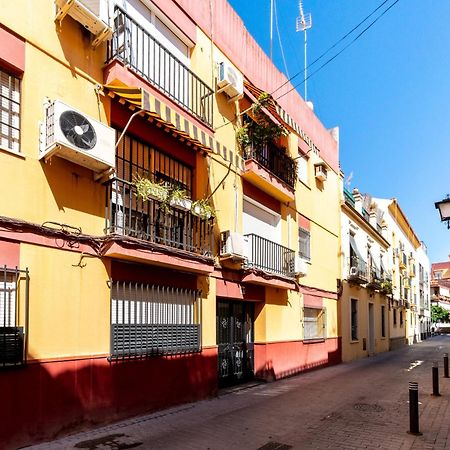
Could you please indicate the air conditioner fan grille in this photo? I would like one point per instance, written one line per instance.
(78, 130)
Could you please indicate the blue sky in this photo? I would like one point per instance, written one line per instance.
(389, 93)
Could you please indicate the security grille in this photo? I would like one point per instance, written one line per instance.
(134, 157)
(9, 111)
(149, 320)
(13, 285)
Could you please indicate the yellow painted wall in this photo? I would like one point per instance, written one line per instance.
(354, 349)
(282, 315)
(208, 287)
(69, 307)
(54, 63)
(332, 312)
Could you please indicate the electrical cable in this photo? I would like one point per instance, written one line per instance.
(324, 53)
(279, 38)
(334, 45)
(341, 51)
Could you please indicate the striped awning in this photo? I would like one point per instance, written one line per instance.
(160, 113)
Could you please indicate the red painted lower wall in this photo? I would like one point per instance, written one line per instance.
(41, 401)
(282, 359)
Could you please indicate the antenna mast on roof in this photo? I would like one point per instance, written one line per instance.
(303, 23)
(271, 29)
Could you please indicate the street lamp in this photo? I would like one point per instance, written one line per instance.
(444, 210)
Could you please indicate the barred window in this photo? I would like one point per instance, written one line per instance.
(314, 323)
(304, 243)
(9, 111)
(383, 325)
(354, 319)
(11, 334)
(151, 320)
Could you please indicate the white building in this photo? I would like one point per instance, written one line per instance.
(407, 259)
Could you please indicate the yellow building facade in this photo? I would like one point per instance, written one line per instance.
(366, 289)
(149, 256)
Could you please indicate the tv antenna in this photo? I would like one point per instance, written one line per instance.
(303, 23)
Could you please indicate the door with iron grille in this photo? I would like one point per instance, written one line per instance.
(235, 341)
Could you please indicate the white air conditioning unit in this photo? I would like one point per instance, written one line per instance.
(353, 271)
(232, 245)
(230, 80)
(320, 171)
(92, 14)
(76, 137)
(300, 267)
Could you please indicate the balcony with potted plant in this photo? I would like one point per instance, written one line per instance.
(162, 217)
(267, 163)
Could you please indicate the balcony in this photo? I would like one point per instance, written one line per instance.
(269, 256)
(357, 271)
(403, 261)
(137, 49)
(272, 170)
(375, 279)
(156, 222)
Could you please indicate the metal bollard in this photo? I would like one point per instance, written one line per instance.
(435, 373)
(446, 365)
(414, 408)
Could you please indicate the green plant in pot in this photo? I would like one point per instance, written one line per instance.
(147, 189)
(180, 198)
(386, 286)
(202, 209)
(258, 130)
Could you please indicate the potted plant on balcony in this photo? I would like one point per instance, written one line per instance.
(258, 130)
(147, 189)
(202, 209)
(386, 287)
(180, 199)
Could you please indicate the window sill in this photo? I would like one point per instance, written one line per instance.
(354, 341)
(314, 340)
(12, 152)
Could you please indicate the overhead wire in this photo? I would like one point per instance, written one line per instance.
(279, 38)
(341, 51)
(326, 52)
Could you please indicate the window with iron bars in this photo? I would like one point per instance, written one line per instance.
(134, 157)
(9, 111)
(314, 323)
(149, 320)
(13, 313)
(304, 243)
(354, 319)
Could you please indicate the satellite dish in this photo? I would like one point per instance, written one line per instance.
(78, 130)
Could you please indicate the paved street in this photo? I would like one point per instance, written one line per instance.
(358, 405)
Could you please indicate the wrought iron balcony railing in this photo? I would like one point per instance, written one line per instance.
(357, 271)
(276, 161)
(269, 256)
(155, 221)
(143, 54)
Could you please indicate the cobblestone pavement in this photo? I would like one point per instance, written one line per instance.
(358, 405)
